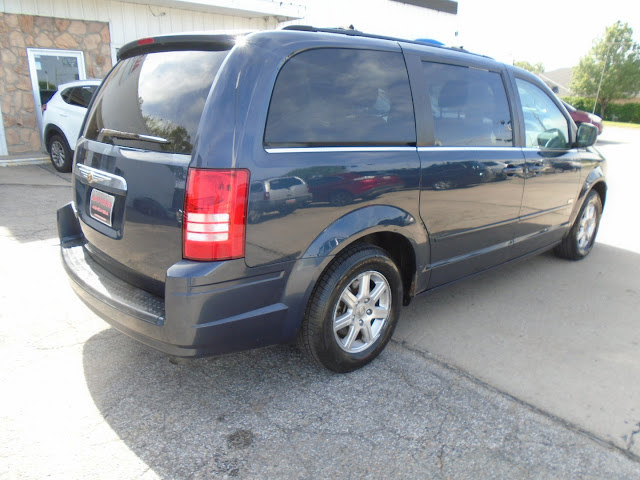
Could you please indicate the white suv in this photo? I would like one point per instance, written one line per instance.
(62, 118)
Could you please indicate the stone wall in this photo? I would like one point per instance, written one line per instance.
(19, 32)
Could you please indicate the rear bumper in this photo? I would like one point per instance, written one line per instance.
(208, 308)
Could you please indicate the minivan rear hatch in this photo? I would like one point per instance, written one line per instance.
(133, 158)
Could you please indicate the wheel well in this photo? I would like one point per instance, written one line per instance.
(49, 131)
(401, 252)
(601, 188)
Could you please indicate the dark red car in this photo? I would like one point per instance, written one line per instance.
(580, 116)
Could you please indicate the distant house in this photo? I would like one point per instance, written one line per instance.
(559, 81)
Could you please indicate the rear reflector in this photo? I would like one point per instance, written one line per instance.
(215, 208)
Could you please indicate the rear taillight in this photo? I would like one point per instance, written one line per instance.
(215, 208)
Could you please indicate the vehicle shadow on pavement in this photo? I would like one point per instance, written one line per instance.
(269, 413)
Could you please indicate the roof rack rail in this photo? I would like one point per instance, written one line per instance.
(357, 33)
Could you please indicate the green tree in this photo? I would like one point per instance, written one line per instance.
(537, 68)
(611, 70)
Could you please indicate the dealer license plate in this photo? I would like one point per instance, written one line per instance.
(101, 206)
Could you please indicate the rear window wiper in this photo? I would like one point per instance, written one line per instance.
(107, 132)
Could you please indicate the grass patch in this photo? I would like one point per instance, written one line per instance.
(621, 124)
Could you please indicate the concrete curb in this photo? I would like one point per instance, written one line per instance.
(17, 161)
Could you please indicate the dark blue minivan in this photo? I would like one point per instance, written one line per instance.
(303, 184)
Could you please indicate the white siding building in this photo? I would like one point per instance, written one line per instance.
(79, 39)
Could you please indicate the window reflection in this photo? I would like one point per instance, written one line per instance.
(158, 94)
(545, 125)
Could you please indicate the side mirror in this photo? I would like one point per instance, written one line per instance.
(587, 135)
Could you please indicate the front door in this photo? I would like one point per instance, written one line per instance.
(50, 68)
(553, 171)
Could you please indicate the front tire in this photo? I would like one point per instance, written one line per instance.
(353, 310)
(60, 153)
(580, 240)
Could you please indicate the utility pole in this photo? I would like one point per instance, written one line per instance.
(604, 67)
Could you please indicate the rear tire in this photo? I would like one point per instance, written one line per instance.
(254, 216)
(579, 241)
(353, 310)
(60, 153)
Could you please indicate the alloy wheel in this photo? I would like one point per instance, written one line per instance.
(587, 226)
(57, 153)
(362, 311)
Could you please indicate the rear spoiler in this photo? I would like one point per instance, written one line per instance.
(167, 43)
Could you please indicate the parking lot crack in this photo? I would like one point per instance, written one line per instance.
(443, 445)
(630, 437)
(556, 419)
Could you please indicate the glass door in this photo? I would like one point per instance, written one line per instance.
(50, 68)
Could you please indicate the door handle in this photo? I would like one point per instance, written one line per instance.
(512, 169)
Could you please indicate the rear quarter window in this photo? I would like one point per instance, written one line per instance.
(79, 96)
(66, 95)
(159, 95)
(341, 97)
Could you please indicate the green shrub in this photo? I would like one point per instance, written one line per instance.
(626, 112)
(616, 112)
(582, 103)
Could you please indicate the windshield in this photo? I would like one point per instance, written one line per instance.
(154, 101)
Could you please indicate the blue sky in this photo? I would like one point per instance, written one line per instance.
(554, 32)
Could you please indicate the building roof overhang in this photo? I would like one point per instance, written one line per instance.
(283, 11)
(446, 6)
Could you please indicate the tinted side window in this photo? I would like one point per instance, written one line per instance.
(281, 183)
(341, 97)
(469, 106)
(158, 94)
(544, 124)
(81, 96)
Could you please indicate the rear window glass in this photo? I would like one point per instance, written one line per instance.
(341, 97)
(159, 95)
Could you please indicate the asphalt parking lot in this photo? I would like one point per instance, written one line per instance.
(526, 372)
